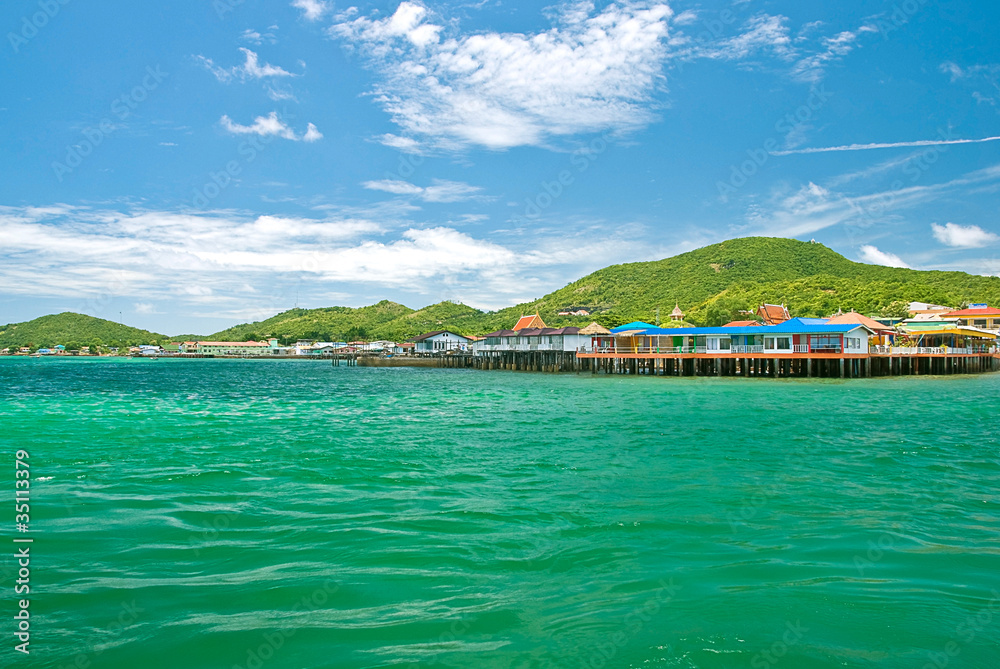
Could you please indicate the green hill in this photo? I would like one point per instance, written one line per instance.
(712, 285)
(73, 331)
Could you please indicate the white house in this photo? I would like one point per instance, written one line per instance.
(440, 341)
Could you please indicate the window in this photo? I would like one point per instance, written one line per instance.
(829, 343)
(979, 322)
(769, 343)
(784, 344)
(726, 344)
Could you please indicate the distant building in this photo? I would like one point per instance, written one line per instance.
(404, 348)
(534, 335)
(241, 348)
(575, 311)
(440, 341)
(977, 315)
(773, 314)
(795, 335)
(677, 314)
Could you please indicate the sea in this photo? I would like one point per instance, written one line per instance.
(243, 514)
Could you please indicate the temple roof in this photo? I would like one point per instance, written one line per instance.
(533, 321)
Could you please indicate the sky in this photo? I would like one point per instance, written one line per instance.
(186, 166)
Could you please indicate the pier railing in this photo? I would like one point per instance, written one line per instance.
(927, 350)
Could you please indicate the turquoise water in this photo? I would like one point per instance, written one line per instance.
(289, 514)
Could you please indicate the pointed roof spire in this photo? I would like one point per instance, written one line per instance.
(530, 322)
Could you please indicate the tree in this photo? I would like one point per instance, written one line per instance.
(895, 309)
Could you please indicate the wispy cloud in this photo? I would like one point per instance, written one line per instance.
(256, 37)
(872, 255)
(984, 79)
(884, 145)
(962, 236)
(139, 254)
(440, 191)
(250, 69)
(270, 126)
(765, 35)
(590, 72)
(312, 10)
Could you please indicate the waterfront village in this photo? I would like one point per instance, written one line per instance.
(768, 342)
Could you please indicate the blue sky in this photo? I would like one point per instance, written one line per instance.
(187, 166)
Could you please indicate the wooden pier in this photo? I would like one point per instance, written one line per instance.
(795, 365)
(754, 365)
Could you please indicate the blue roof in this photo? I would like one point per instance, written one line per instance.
(634, 325)
(793, 326)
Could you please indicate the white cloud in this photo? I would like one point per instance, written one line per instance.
(962, 236)
(256, 37)
(591, 72)
(760, 34)
(312, 10)
(873, 256)
(811, 68)
(440, 191)
(279, 95)
(885, 145)
(954, 70)
(139, 254)
(766, 35)
(269, 126)
(250, 69)
(145, 308)
(407, 144)
(312, 134)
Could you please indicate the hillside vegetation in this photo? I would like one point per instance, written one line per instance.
(73, 331)
(712, 285)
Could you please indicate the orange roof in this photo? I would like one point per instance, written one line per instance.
(230, 343)
(534, 321)
(740, 324)
(854, 317)
(988, 311)
(773, 314)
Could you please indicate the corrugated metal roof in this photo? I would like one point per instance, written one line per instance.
(634, 325)
(788, 327)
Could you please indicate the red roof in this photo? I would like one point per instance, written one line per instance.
(533, 321)
(988, 311)
(740, 324)
(773, 314)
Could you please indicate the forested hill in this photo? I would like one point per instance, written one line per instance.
(73, 331)
(712, 285)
